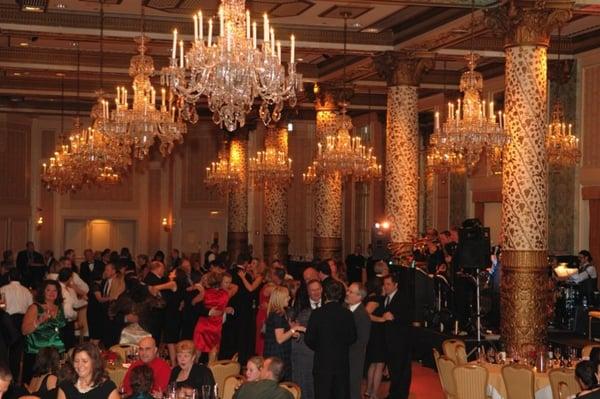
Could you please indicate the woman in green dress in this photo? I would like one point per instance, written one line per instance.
(42, 323)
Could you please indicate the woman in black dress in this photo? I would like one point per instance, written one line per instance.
(278, 331)
(376, 351)
(90, 380)
(188, 373)
(44, 380)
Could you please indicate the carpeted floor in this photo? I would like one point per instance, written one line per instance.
(425, 384)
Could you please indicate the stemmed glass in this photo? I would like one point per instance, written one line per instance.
(558, 355)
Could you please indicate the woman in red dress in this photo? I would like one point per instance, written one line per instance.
(207, 334)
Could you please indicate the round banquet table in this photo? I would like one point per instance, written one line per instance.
(116, 373)
(497, 390)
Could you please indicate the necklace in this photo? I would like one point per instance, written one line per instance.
(85, 389)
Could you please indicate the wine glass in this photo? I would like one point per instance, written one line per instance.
(206, 391)
(558, 355)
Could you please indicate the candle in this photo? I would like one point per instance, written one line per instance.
(265, 28)
(162, 95)
(125, 97)
(210, 32)
(279, 51)
(437, 121)
(195, 18)
(292, 49)
(221, 22)
(491, 109)
(247, 24)
(153, 93)
(570, 129)
(273, 39)
(449, 109)
(181, 54)
(174, 52)
(254, 34)
(200, 25)
(229, 36)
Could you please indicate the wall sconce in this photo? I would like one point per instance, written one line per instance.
(39, 223)
(166, 225)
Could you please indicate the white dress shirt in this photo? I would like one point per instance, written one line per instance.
(588, 272)
(314, 304)
(71, 302)
(353, 307)
(82, 285)
(18, 298)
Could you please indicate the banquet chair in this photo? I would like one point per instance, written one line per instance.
(519, 381)
(471, 381)
(221, 370)
(294, 389)
(585, 352)
(230, 385)
(455, 350)
(121, 351)
(445, 366)
(436, 357)
(563, 383)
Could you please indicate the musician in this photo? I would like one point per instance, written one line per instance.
(436, 256)
(586, 276)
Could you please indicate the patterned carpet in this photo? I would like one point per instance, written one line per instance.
(425, 384)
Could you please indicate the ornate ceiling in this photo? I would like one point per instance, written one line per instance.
(35, 47)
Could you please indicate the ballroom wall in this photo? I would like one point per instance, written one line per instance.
(131, 213)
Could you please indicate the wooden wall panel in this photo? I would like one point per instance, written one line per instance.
(154, 213)
(201, 148)
(15, 160)
(19, 233)
(591, 115)
(46, 201)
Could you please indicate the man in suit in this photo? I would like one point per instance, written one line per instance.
(397, 337)
(355, 294)
(330, 333)
(31, 265)
(267, 387)
(91, 270)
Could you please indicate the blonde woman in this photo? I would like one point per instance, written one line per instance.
(253, 368)
(279, 331)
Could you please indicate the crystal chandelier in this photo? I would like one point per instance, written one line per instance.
(144, 121)
(270, 166)
(471, 125)
(562, 146)
(231, 70)
(310, 176)
(344, 154)
(441, 161)
(222, 175)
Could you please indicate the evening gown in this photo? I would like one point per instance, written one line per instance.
(261, 317)
(207, 334)
(376, 350)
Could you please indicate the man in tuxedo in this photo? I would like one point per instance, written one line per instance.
(91, 270)
(397, 337)
(355, 266)
(31, 265)
(330, 333)
(355, 294)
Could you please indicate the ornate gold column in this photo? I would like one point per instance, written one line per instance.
(403, 72)
(237, 221)
(524, 288)
(276, 202)
(327, 241)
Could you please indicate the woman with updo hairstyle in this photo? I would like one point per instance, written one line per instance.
(188, 373)
(90, 380)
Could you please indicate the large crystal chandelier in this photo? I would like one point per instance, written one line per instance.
(344, 154)
(144, 121)
(231, 70)
(562, 146)
(443, 160)
(271, 166)
(222, 175)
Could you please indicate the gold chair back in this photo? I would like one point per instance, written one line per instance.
(519, 381)
(563, 383)
(445, 368)
(450, 349)
(221, 370)
(436, 357)
(294, 389)
(470, 381)
(121, 351)
(230, 385)
(585, 352)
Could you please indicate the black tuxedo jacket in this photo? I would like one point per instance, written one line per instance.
(89, 275)
(398, 329)
(330, 332)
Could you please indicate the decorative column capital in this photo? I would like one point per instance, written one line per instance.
(327, 97)
(528, 22)
(403, 68)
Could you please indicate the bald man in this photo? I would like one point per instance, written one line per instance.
(149, 356)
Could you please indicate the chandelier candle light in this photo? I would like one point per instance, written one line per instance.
(231, 70)
(271, 166)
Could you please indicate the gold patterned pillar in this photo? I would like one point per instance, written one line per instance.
(327, 241)
(403, 72)
(276, 202)
(237, 221)
(524, 288)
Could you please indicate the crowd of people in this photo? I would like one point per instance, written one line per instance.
(323, 331)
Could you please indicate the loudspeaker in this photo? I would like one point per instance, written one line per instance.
(380, 239)
(473, 250)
